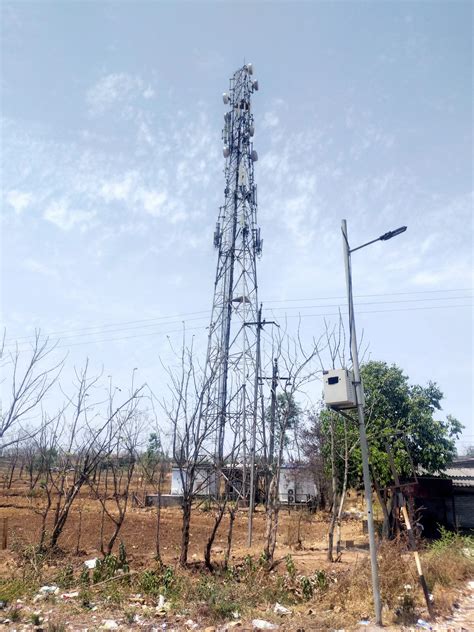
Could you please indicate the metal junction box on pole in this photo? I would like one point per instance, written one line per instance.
(339, 391)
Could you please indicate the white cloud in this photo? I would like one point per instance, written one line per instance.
(116, 88)
(59, 214)
(153, 201)
(118, 189)
(19, 200)
(37, 267)
(148, 93)
(459, 273)
(270, 120)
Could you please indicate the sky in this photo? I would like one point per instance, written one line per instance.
(112, 177)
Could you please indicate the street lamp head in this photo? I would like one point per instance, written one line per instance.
(393, 233)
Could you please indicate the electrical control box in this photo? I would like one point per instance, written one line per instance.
(339, 390)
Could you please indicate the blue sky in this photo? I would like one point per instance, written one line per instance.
(112, 175)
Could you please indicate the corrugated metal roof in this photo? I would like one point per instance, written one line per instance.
(463, 482)
(460, 472)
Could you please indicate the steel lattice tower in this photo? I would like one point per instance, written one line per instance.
(232, 354)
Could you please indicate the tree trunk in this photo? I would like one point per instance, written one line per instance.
(332, 523)
(79, 532)
(158, 526)
(43, 522)
(212, 535)
(232, 513)
(118, 526)
(383, 505)
(183, 555)
(343, 493)
(10, 478)
(272, 519)
(62, 517)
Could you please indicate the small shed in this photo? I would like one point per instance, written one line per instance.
(205, 483)
(446, 500)
(296, 484)
(461, 473)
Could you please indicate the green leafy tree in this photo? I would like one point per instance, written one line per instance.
(287, 417)
(400, 416)
(154, 449)
(153, 456)
(405, 418)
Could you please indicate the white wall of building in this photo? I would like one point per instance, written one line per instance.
(204, 485)
(296, 485)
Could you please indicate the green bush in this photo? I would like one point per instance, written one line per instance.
(12, 589)
(65, 577)
(159, 582)
(110, 565)
(290, 565)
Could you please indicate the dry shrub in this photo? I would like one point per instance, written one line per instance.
(447, 564)
(351, 595)
(293, 531)
(298, 524)
(397, 571)
(449, 560)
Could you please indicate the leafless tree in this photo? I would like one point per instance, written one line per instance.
(340, 448)
(83, 435)
(11, 459)
(122, 454)
(298, 365)
(42, 450)
(29, 375)
(191, 431)
(229, 489)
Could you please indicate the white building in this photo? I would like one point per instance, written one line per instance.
(296, 484)
(205, 483)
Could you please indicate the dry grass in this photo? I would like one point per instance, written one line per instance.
(337, 596)
(353, 591)
(447, 564)
(449, 560)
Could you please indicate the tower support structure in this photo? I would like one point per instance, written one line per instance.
(232, 353)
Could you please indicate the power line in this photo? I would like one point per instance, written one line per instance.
(163, 333)
(113, 324)
(328, 298)
(110, 331)
(150, 322)
(378, 311)
(153, 333)
(408, 300)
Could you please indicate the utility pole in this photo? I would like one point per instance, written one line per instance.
(271, 448)
(259, 324)
(275, 379)
(254, 432)
(362, 432)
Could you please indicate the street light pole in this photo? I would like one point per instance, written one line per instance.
(362, 433)
(360, 408)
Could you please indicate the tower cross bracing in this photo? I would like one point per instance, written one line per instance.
(232, 344)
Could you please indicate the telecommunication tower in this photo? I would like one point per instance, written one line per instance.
(232, 355)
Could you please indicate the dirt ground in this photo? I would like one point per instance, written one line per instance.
(138, 532)
(138, 535)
